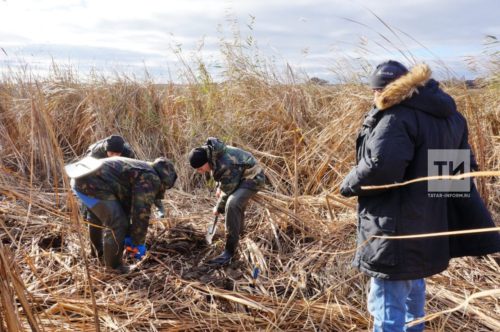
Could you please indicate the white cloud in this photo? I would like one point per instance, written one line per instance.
(301, 31)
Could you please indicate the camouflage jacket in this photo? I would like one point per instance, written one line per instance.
(98, 150)
(233, 168)
(134, 183)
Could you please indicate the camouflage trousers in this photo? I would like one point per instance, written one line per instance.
(235, 216)
(107, 231)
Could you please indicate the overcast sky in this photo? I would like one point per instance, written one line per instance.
(315, 37)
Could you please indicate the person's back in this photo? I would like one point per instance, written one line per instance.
(234, 167)
(428, 120)
(116, 146)
(119, 178)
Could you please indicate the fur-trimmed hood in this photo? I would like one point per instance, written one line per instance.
(417, 90)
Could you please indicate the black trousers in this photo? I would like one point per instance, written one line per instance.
(235, 216)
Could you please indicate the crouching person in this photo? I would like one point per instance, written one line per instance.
(112, 146)
(120, 188)
(116, 146)
(238, 178)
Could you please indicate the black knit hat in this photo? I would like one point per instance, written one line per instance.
(198, 157)
(385, 73)
(115, 143)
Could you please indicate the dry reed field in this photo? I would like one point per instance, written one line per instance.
(299, 232)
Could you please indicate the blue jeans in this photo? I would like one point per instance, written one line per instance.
(393, 303)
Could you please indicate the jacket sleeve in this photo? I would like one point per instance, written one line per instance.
(143, 196)
(464, 144)
(388, 150)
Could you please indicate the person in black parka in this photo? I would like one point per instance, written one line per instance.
(411, 116)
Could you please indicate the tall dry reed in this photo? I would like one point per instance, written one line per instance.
(299, 233)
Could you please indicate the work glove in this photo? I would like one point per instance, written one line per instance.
(215, 211)
(138, 251)
(347, 188)
(160, 209)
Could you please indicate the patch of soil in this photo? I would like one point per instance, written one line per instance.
(51, 241)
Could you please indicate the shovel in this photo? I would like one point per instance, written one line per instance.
(211, 230)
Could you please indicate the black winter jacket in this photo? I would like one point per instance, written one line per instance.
(411, 116)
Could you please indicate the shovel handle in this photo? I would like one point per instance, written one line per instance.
(214, 223)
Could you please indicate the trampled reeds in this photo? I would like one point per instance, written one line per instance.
(300, 233)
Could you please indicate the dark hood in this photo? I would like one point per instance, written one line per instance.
(432, 100)
(216, 149)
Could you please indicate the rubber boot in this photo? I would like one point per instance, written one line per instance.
(115, 221)
(95, 234)
(121, 269)
(228, 253)
(222, 259)
(113, 251)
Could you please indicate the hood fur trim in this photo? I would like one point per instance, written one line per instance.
(403, 87)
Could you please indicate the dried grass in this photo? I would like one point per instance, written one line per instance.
(299, 232)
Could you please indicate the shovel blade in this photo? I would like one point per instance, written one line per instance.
(211, 231)
(209, 238)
